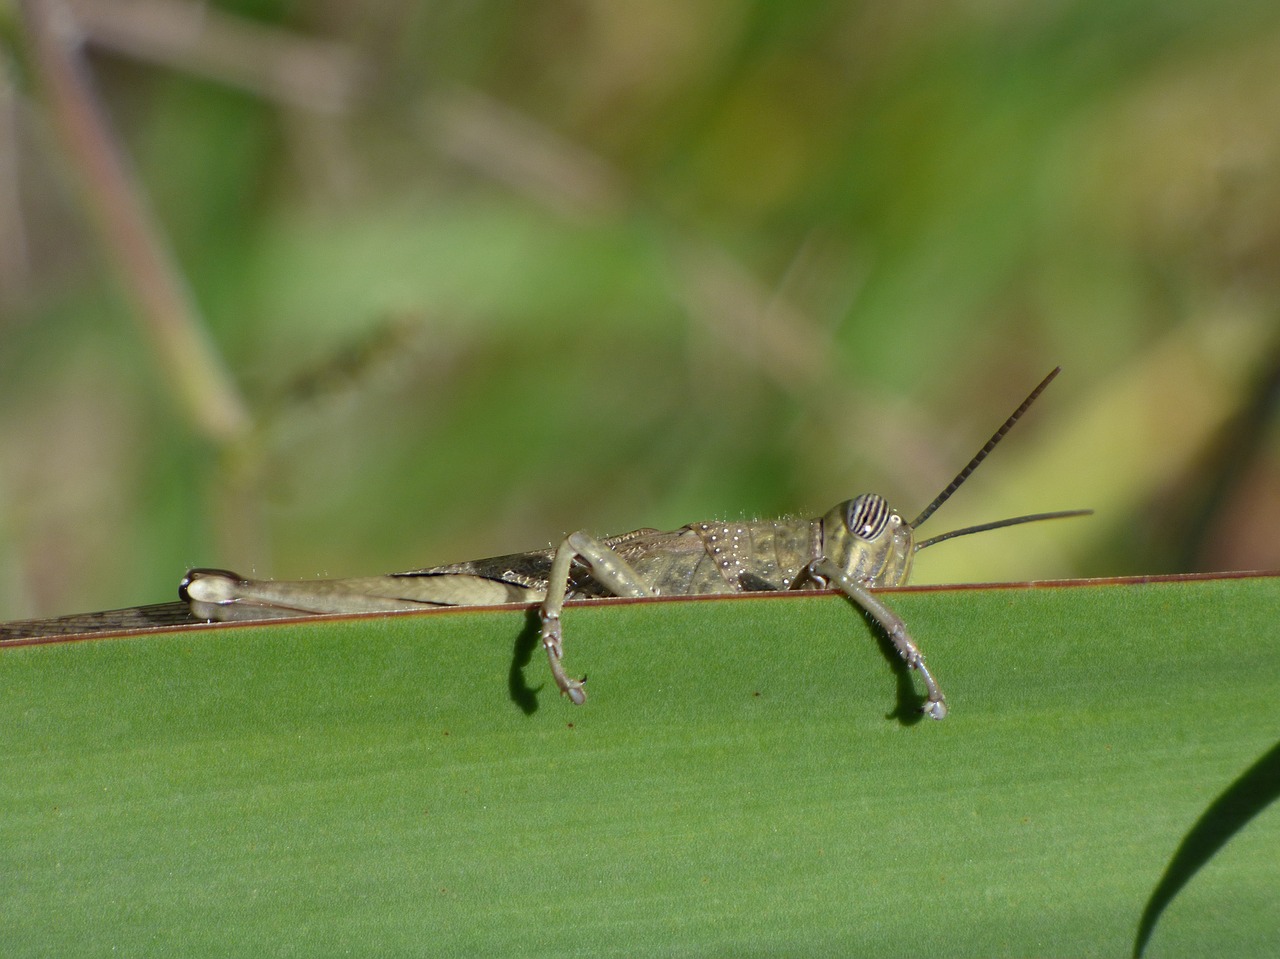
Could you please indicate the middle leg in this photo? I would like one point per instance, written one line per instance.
(609, 570)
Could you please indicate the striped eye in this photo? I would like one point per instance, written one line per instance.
(868, 516)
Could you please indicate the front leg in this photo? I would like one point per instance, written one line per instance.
(825, 571)
(609, 570)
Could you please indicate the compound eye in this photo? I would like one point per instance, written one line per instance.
(868, 516)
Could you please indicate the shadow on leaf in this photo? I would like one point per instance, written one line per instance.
(522, 694)
(910, 706)
(1256, 788)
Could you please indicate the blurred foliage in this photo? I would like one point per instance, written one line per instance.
(486, 274)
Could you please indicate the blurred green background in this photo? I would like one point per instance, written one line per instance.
(479, 274)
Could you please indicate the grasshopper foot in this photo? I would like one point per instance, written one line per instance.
(935, 707)
(574, 690)
(551, 642)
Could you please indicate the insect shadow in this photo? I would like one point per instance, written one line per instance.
(522, 694)
(908, 711)
(910, 706)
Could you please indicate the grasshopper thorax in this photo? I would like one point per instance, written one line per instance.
(869, 541)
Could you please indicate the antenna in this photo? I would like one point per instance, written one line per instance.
(1001, 523)
(977, 460)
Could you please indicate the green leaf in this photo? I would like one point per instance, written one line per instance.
(747, 778)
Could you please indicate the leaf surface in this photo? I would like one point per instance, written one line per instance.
(747, 778)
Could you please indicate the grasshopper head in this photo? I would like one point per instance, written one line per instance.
(869, 541)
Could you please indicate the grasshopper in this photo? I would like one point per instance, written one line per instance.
(855, 547)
